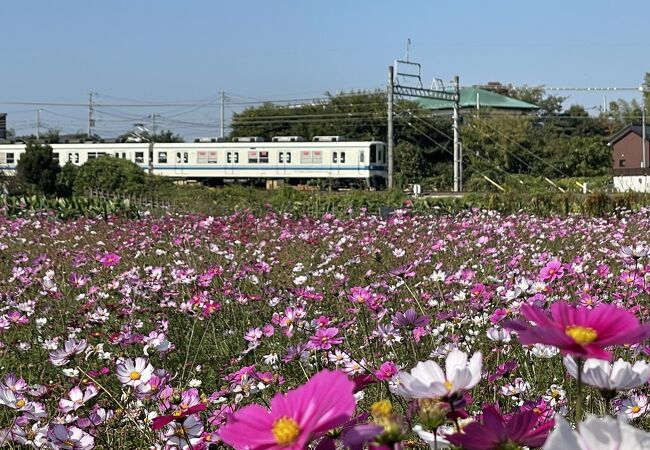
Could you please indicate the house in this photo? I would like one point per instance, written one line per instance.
(477, 98)
(628, 168)
(3, 126)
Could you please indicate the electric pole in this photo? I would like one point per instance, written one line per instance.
(153, 125)
(643, 135)
(91, 122)
(38, 124)
(222, 112)
(458, 151)
(389, 136)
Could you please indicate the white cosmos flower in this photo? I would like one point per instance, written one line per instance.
(619, 376)
(427, 380)
(595, 433)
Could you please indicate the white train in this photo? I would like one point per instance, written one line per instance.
(288, 158)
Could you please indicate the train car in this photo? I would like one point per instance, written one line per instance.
(288, 158)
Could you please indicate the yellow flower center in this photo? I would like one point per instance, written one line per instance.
(381, 408)
(449, 385)
(68, 442)
(135, 375)
(636, 409)
(20, 403)
(180, 431)
(582, 335)
(285, 430)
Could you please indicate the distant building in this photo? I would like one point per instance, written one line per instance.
(477, 98)
(3, 126)
(627, 159)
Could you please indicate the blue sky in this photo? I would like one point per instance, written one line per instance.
(156, 51)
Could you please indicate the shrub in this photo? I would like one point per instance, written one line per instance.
(38, 169)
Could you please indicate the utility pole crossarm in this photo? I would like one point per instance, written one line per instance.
(408, 91)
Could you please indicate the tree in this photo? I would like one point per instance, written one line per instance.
(165, 136)
(66, 179)
(38, 168)
(110, 174)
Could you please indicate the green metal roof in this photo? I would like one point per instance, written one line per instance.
(471, 96)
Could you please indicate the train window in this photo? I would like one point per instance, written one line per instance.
(212, 157)
(139, 157)
(76, 158)
(342, 157)
(228, 157)
(55, 156)
(288, 157)
(162, 157)
(317, 157)
(185, 157)
(236, 157)
(178, 157)
(252, 157)
(362, 156)
(10, 158)
(305, 157)
(373, 153)
(264, 157)
(333, 157)
(123, 155)
(100, 154)
(92, 155)
(281, 158)
(2, 158)
(201, 157)
(70, 157)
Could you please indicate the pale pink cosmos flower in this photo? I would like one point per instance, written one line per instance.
(427, 379)
(70, 438)
(134, 372)
(71, 347)
(77, 398)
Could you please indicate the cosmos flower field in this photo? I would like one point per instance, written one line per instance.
(474, 331)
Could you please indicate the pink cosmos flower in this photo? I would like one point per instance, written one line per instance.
(324, 402)
(497, 431)
(552, 271)
(110, 259)
(386, 371)
(579, 331)
(325, 338)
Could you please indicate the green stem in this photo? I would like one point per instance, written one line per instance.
(579, 396)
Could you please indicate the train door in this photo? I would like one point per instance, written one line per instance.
(181, 158)
(338, 157)
(284, 160)
(361, 161)
(232, 159)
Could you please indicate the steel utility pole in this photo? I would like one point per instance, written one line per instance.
(222, 110)
(38, 124)
(91, 122)
(389, 137)
(643, 136)
(458, 151)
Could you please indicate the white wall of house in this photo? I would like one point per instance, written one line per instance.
(636, 183)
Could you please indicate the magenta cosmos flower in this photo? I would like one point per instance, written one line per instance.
(324, 402)
(495, 431)
(325, 338)
(579, 331)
